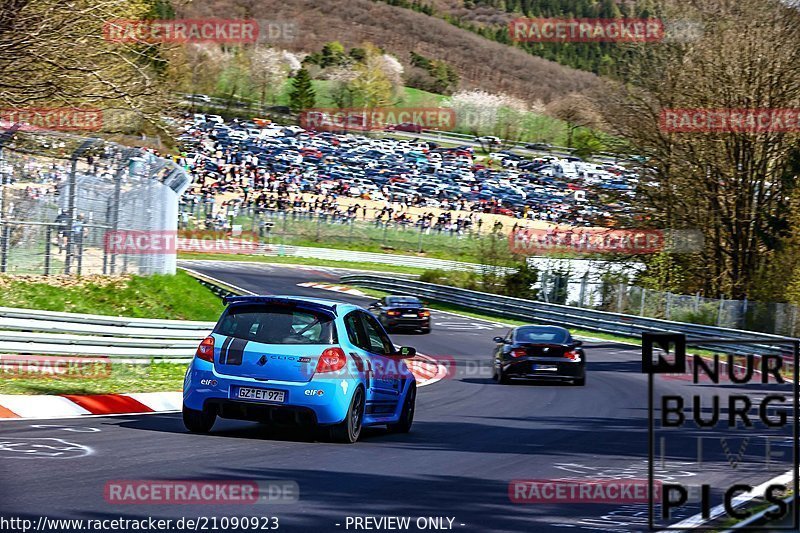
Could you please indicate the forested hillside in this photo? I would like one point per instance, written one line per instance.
(489, 18)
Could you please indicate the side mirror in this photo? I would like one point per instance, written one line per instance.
(499, 340)
(577, 343)
(406, 352)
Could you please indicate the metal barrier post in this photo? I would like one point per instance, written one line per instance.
(71, 207)
(4, 238)
(582, 296)
(80, 253)
(47, 244)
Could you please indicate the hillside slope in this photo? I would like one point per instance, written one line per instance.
(480, 62)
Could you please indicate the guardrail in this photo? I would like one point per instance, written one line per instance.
(589, 319)
(35, 332)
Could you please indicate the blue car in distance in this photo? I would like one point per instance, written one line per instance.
(300, 361)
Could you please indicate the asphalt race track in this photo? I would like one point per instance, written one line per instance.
(470, 438)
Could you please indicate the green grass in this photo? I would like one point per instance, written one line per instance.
(408, 96)
(176, 296)
(114, 378)
(159, 296)
(363, 236)
(290, 260)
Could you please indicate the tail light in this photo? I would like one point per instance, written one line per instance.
(206, 350)
(519, 352)
(573, 355)
(331, 360)
(424, 314)
(393, 313)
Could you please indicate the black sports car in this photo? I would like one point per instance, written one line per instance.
(402, 312)
(539, 352)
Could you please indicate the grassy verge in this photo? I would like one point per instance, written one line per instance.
(177, 297)
(160, 296)
(357, 265)
(114, 378)
(363, 236)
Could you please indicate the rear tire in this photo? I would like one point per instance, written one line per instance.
(502, 379)
(580, 382)
(198, 421)
(407, 414)
(425, 331)
(348, 431)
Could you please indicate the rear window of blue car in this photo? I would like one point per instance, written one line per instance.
(277, 324)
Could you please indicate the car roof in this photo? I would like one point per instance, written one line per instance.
(335, 305)
(543, 328)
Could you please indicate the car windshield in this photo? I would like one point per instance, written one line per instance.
(274, 324)
(543, 334)
(403, 300)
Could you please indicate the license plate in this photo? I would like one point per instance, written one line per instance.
(551, 368)
(409, 315)
(264, 395)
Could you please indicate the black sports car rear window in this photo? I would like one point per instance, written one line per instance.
(399, 300)
(535, 335)
(277, 324)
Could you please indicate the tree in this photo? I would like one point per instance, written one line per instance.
(375, 83)
(483, 113)
(732, 186)
(332, 54)
(301, 96)
(59, 57)
(577, 111)
(268, 71)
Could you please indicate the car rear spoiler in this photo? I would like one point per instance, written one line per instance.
(314, 306)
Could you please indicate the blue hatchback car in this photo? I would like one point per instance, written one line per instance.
(294, 360)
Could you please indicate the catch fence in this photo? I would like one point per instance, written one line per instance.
(63, 194)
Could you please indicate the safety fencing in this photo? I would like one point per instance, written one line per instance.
(61, 195)
(588, 319)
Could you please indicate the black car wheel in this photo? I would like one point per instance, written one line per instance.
(502, 378)
(580, 382)
(425, 330)
(348, 431)
(199, 421)
(407, 415)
